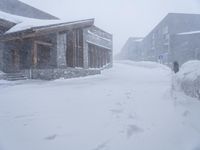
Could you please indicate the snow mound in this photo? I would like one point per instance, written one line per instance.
(188, 78)
(1, 75)
(144, 64)
(190, 70)
(1, 72)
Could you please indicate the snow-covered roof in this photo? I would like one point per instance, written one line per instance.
(136, 39)
(24, 23)
(40, 24)
(188, 33)
(11, 18)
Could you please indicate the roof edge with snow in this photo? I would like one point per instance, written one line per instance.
(189, 33)
(47, 27)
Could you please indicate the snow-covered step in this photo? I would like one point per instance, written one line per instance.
(15, 76)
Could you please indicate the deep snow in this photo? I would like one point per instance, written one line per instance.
(128, 107)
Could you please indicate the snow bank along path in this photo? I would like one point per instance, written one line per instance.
(188, 78)
(128, 107)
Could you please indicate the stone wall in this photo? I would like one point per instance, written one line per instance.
(51, 74)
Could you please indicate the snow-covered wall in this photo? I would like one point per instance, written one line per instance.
(188, 79)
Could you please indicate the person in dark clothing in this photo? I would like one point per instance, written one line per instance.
(175, 67)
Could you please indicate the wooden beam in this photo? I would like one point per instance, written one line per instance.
(43, 43)
(34, 54)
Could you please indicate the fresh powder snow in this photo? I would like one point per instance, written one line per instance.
(130, 106)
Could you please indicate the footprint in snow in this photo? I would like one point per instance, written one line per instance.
(133, 129)
(128, 95)
(51, 137)
(132, 116)
(186, 113)
(116, 111)
(118, 104)
(102, 146)
(24, 116)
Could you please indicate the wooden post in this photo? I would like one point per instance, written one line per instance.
(34, 54)
(61, 50)
(86, 50)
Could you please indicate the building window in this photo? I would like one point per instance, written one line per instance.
(165, 30)
(98, 57)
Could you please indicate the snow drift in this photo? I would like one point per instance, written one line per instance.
(144, 64)
(1, 75)
(188, 78)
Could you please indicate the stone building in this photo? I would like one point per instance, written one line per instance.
(51, 49)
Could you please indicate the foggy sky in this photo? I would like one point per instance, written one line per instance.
(122, 18)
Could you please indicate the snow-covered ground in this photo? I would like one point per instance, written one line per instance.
(128, 107)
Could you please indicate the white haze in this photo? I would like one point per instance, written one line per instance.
(122, 18)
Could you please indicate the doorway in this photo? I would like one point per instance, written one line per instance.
(15, 60)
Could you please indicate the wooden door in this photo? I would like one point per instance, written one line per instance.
(15, 60)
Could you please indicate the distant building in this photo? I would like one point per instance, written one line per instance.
(185, 46)
(159, 44)
(132, 50)
(175, 38)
